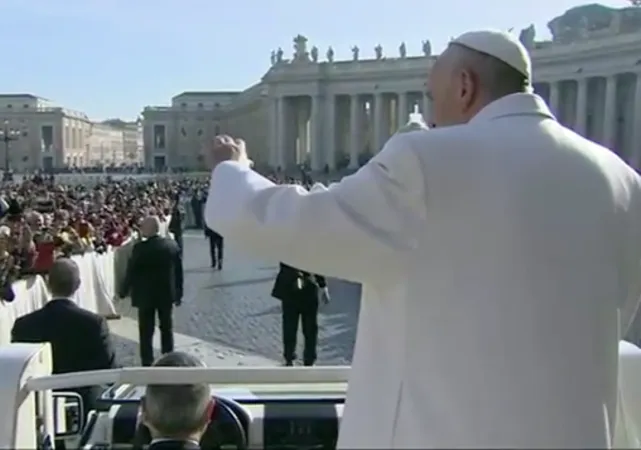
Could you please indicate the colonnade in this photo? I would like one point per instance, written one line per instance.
(320, 129)
(605, 109)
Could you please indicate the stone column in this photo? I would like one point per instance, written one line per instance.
(281, 135)
(330, 132)
(427, 109)
(302, 136)
(580, 117)
(635, 160)
(609, 112)
(555, 97)
(273, 132)
(317, 133)
(402, 109)
(386, 118)
(378, 123)
(354, 131)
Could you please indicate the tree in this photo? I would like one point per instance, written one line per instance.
(636, 3)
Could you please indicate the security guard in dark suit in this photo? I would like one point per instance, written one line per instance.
(154, 279)
(299, 293)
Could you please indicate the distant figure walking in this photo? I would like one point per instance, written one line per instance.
(176, 222)
(216, 245)
(197, 208)
(154, 280)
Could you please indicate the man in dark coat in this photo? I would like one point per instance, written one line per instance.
(80, 340)
(154, 279)
(299, 293)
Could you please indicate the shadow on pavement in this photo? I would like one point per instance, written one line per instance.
(228, 284)
(272, 310)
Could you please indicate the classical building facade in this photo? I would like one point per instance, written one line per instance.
(131, 152)
(52, 137)
(338, 113)
(49, 136)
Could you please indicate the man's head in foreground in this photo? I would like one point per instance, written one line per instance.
(180, 411)
(476, 69)
(150, 226)
(64, 278)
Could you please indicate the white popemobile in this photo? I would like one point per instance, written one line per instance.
(270, 408)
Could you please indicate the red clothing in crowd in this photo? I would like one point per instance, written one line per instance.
(44, 256)
(115, 238)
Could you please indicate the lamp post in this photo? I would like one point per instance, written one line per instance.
(8, 134)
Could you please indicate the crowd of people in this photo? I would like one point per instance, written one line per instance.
(41, 220)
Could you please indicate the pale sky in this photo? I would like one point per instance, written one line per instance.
(111, 58)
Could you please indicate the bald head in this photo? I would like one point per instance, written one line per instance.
(463, 81)
(150, 226)
(64, 278)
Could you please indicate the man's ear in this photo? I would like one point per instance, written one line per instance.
(142, 413)
(209, 411)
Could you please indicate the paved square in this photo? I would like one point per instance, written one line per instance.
(229, 318)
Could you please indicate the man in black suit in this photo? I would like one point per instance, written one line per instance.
(154, 279)
(176, 416)
(80, 339)
(299, 293)
(215, 248)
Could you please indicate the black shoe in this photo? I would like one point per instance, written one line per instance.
(220, 265)
(308, 363)
(289, 364)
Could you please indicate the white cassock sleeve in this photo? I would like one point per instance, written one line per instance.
(359, 229)
(630, 313)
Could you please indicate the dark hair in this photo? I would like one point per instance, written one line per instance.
(174, 410)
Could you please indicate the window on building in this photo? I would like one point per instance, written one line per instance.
(9, 106)
(160, 138)
(183, 132)
(47, 163)
(183, 105)
(200, 132)
(217, 129)
(200, 105)
(46, 137)
(25, 106)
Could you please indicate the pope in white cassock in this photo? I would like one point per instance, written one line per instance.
(500, 256)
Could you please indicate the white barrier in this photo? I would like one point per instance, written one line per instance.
(95, 294)
(100, 276)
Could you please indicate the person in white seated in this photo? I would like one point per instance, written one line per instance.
(499, 252)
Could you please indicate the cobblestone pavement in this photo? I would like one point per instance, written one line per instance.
(229, 317)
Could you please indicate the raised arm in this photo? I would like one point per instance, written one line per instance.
(359, 229)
